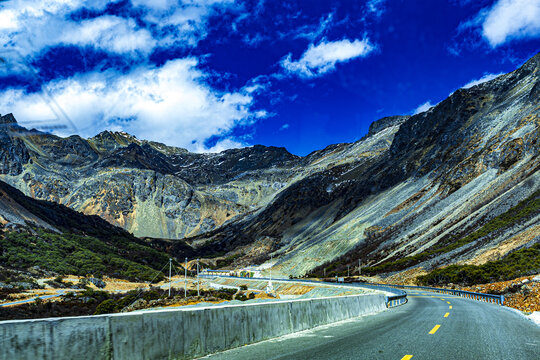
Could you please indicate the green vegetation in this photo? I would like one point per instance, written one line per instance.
(519, 263)
(522, 210)
(81, 255)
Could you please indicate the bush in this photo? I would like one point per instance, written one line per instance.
(105, 307)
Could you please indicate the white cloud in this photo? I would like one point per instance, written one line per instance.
(510, 19)
(30, 26)
(424, 107)
(483, 79)
(313, 32)
(110, 33)
(35, 26)
(170, 104)
(221, 145)
(322, 58)
(284, 127)
(187, 24)
(376, 7)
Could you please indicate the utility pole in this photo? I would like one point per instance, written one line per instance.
(170, 268)
(185, 278)
(348, 273)
(198, 291)
(359, 268)
(324, 272)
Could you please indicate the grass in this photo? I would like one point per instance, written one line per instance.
(519, 263)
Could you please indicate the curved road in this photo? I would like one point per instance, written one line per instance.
(43, 297)
(430, 326)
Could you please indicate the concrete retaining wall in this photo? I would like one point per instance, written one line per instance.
(174, 334)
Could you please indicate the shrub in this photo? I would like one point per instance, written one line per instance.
(105, 307)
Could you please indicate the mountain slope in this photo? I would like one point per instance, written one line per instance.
(153, 190)
(447, 172)
(51, 237)
(145, 187)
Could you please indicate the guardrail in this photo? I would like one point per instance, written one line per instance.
(399, 297)
(490, 298)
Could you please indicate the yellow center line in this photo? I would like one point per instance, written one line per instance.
(434, 330)
(406, 357)
(442, 299)
(446, 315)
(450, 307)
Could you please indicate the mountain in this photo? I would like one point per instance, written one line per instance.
(148, 188)
(418, 191)
(44, 236)
(444, 191)
(153, 190)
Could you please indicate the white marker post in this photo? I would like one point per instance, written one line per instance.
(185, 278)
(170, 268)
(198, 291)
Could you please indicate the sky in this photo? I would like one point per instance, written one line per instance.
(210, 75)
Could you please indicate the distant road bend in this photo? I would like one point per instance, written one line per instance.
(430, 326)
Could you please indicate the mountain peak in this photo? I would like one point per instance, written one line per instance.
(386, 122)
(8, 119)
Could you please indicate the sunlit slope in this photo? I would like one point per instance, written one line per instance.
(447, 172)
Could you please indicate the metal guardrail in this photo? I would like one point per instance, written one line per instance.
(399, 297)
(490, 298)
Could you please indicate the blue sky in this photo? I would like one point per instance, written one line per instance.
(214, 74)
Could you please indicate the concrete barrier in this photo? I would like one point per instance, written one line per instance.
(174, 333)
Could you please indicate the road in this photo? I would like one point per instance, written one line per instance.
(430, 326)
(58, 293)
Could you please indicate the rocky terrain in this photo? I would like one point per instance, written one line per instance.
(147, 188)
(428, 190)
(466, 166)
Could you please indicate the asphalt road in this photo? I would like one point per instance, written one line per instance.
(58, 293)
(416, 330)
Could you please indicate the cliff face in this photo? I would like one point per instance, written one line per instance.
(411, 183)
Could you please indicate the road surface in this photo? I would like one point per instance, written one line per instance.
(430, 326)
(58, 293)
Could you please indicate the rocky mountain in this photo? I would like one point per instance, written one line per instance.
(147, 188)
(413, 185)
(452, 171)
